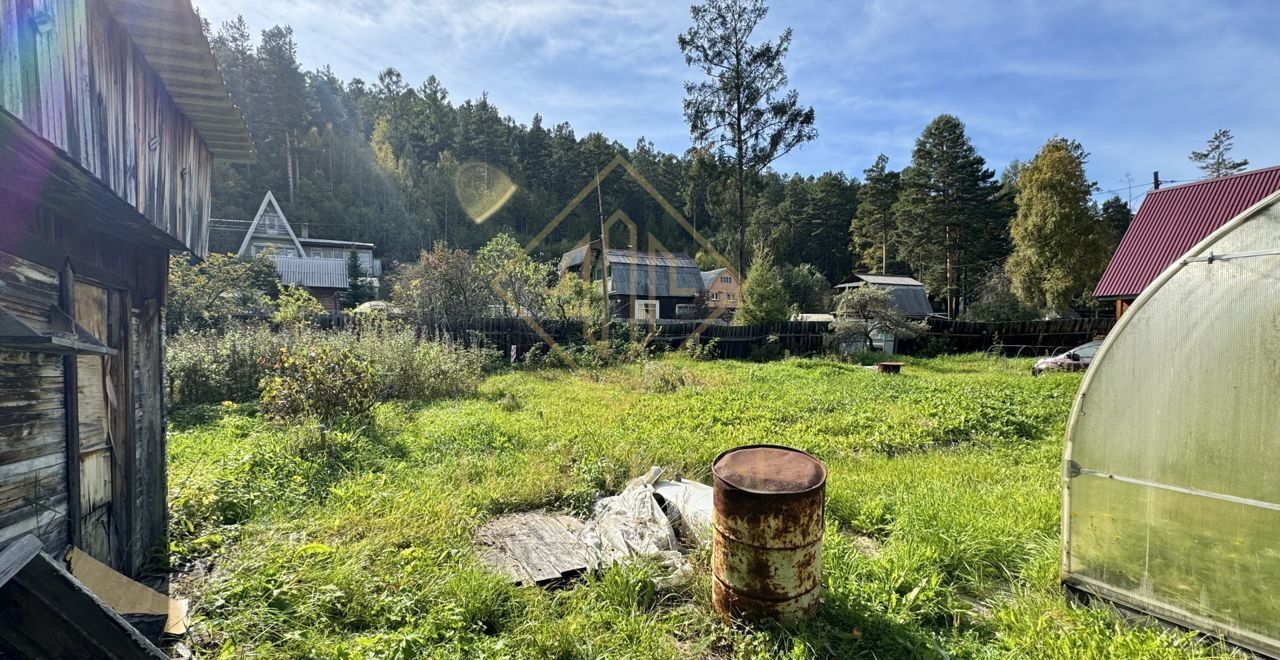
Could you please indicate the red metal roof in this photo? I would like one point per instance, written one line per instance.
(1173, 220)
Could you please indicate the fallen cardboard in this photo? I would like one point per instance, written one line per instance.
(126, 596)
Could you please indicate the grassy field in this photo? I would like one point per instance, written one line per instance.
(942, 517)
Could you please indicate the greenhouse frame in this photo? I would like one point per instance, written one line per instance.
(1171, 476)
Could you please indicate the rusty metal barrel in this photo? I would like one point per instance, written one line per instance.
(766, 548)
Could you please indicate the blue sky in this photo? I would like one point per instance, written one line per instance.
(1139, 82)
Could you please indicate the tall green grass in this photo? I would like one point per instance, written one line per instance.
(942, 517)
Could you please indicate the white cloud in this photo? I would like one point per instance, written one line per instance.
(1140, 82)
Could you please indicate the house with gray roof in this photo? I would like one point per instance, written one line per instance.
(908, 293)
(318, 264)
(643, 285)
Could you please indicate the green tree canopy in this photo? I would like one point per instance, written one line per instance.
(359, 289)
(442, 288)
(518, 282)
(949, 224)
(764, 299)
(208, 294)
(863, 311)
(1117, 215)
(807, 289)
(873, 227)
(1060, 246)
(742, 106)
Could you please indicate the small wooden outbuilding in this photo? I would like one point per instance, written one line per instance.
(112, 113)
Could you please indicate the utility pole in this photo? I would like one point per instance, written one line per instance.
(604, 260)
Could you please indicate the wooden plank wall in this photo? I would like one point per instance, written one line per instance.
(150, 487)
(33, 478)
(33, 435)
(81, 85)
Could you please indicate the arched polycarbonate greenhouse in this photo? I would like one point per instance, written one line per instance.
(1172, 473)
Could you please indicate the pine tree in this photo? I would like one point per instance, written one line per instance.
(822, 232)
(1117, 215)
(743, 106)
(359, 290)
(764, 299)
(872, 229)
(1060, 245)
(1215, 160)
(948, 223)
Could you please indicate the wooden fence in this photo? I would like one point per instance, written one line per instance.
(1012, 338)
(731, 341)
(1017, 338)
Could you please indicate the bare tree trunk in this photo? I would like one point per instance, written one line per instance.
(288, 165)
(950, 278)
(742, 221)
(884, 252)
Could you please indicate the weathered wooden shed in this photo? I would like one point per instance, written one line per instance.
(112, 113)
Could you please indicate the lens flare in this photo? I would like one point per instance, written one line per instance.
(482, 190)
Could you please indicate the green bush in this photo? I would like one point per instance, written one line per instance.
(211, 367)
(318, 381)
(208, 367)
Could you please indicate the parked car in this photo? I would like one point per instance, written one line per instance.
(1076, 359)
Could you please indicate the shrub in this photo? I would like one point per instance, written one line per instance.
(205, 367)
(322, 381)
(209, 367)
(296, 307)
(769, 351)
(412, 370)
(698, 349)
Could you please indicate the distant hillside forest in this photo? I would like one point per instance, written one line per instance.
(406, 166)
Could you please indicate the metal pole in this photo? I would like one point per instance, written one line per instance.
(604, 260)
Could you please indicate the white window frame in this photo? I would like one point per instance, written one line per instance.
(647, 304)
(727, 279)
(715, 295)
(686, 308)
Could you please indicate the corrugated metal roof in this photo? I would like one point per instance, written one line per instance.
(909, 297)
(910, 300)
(574, 257)
(1172, 220)
(334, 242)
(656, 280)
(890, 280)
(320, 273)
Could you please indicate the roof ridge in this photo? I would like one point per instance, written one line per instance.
(1215, 179)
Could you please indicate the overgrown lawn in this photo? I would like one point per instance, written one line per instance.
(942, 517)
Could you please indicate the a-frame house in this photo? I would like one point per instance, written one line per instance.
(270, 230)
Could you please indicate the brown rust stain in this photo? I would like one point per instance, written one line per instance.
(768, 521)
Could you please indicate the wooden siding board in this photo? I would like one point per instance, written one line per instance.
(33, 487)
(96, 98)
(150, 517)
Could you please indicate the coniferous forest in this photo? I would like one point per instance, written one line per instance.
(401, 164)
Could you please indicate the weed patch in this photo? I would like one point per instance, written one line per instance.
(943, 501)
